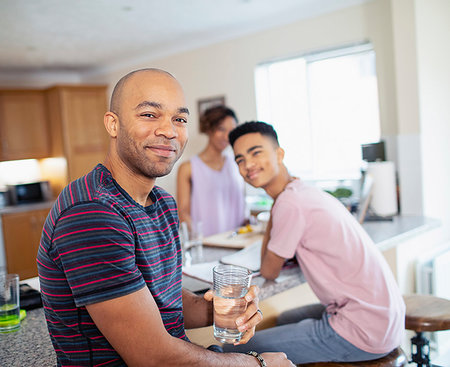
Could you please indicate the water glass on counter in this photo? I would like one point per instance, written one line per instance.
(192, 243)
(9, 303)
(230, 285)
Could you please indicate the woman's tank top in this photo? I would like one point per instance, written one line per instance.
(217, 197)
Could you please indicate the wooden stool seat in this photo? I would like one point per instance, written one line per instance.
(396, 358)
(426, 313)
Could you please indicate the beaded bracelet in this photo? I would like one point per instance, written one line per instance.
(260, 359)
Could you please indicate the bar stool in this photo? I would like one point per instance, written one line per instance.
(425, 313)
(396, 358)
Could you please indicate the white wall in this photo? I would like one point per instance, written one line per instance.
(407, 138)
(433, 62)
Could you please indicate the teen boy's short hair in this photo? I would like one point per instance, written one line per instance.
(253, 127)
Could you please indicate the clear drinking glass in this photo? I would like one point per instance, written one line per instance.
(9, 303)
(231, 284)
(192, 243)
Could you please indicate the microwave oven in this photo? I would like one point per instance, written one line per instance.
(26, 193)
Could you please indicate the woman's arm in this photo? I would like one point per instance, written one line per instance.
(184, 185)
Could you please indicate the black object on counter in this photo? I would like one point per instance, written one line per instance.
(373, 152)
(30, 298)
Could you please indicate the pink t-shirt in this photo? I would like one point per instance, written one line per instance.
(342, 266)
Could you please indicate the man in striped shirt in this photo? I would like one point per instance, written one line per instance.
(109, 260)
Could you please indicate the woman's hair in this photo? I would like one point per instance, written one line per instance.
(213, 116)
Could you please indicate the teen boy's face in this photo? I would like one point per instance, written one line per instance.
(259, 159)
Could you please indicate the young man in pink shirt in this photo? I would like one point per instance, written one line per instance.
(361, 312)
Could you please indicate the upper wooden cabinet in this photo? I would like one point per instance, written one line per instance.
(24, 128)
(77, 130)
(62, 121)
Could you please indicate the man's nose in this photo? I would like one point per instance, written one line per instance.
(166, 128)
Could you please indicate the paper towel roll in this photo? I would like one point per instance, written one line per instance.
(384, 194)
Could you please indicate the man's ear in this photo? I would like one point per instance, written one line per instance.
(111, 122)
(280, 155)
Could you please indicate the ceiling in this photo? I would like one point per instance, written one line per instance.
(87, 35)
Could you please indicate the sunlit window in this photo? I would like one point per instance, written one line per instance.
(323, 106)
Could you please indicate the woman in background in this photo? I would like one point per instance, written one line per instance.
(210, 190)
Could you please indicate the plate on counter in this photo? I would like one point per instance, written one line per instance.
(233, 239)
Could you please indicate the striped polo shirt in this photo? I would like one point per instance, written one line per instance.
(98, 244)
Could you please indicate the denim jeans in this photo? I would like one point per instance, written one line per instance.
(305, 335)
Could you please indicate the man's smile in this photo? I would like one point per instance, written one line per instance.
(163, 150)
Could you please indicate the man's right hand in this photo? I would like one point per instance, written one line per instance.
(277, 359)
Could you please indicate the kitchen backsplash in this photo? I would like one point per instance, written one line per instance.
(32, 170)
(22, 171)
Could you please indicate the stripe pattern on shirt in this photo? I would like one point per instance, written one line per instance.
(98, 244)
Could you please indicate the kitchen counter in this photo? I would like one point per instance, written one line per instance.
(31, 345)
(387, 234)
(26, 207)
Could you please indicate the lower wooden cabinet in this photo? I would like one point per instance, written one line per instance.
(21, 235)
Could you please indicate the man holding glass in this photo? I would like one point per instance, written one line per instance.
(110, 261)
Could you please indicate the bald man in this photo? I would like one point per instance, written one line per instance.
(109, 260)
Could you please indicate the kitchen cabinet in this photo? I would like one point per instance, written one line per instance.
(21, 235)
(76, 124)
(24, 129)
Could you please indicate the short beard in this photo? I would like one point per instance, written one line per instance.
(139, 163)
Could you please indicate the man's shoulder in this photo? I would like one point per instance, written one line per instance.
(96, 186)
(162, 195)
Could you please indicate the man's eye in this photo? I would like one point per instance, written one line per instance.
(150, 115)
(239, 161)
(182, 120)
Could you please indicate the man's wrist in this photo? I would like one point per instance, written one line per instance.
(258, 356)
(210, 313)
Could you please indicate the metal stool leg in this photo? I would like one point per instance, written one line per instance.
(421, 354)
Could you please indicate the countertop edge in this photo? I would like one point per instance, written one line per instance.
(430, 224)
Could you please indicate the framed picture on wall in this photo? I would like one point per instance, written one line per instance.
(204, 104)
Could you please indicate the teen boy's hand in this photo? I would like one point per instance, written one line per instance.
(246, 322)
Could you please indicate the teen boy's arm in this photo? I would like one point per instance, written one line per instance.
(271, 263)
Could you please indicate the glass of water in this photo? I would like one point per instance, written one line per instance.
(231, 284)
(192, 243)
(9, 303)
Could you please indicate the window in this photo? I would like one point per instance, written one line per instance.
(323, 106)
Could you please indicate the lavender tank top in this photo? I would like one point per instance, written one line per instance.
(217, 197)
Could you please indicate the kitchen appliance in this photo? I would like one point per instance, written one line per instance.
(373, 152)
(26, 193)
